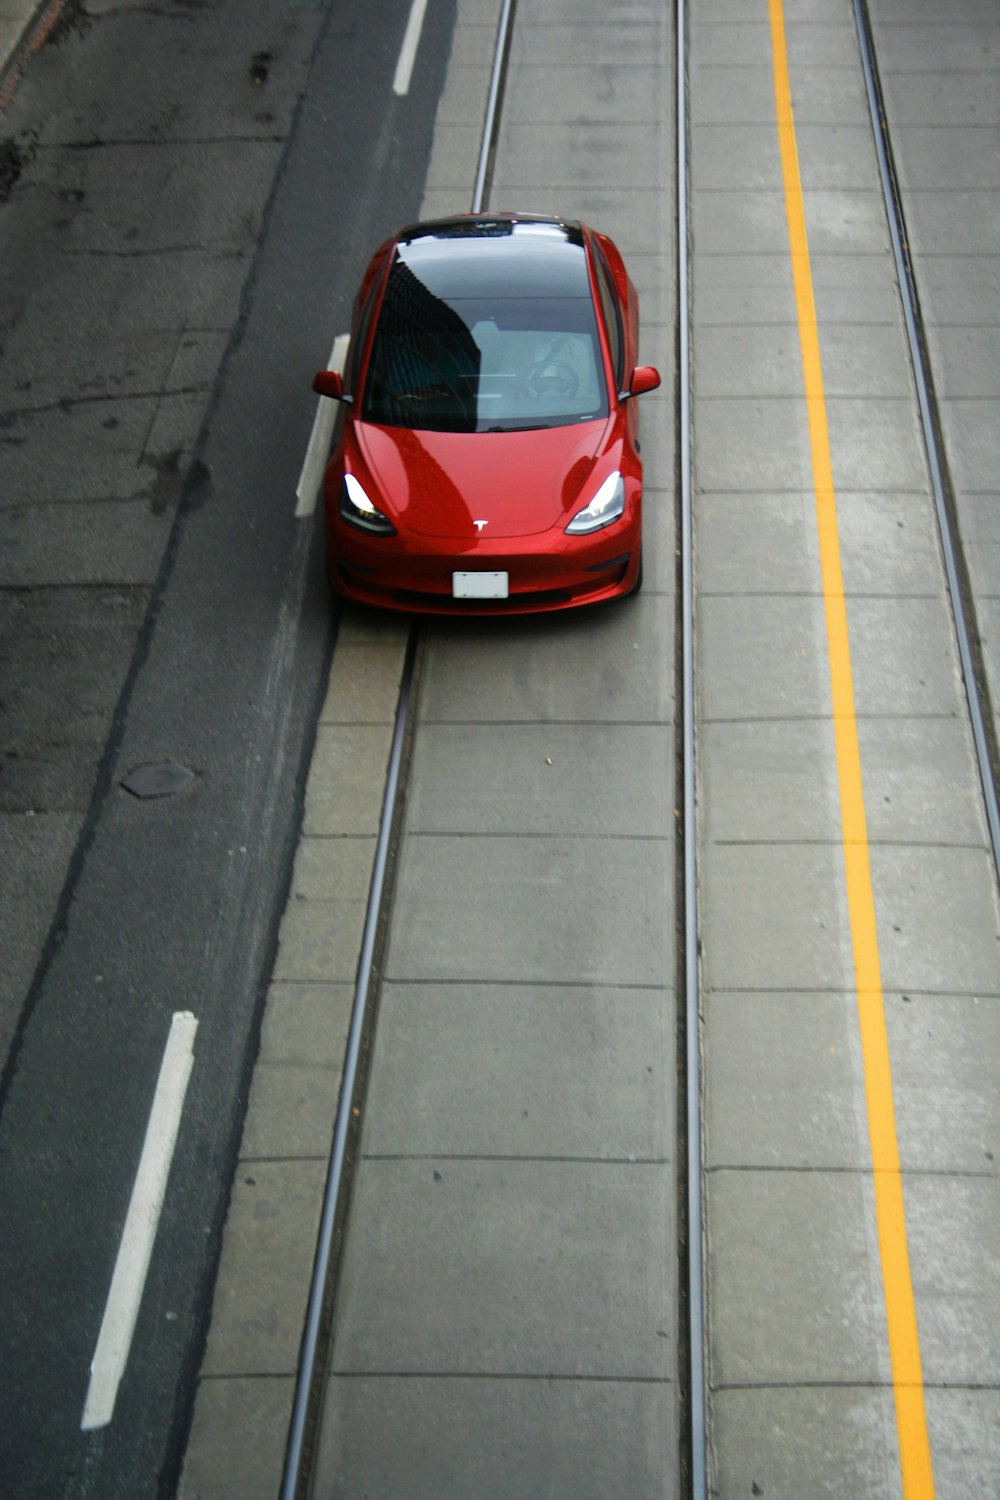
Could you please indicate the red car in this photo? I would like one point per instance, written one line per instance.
(487, 461)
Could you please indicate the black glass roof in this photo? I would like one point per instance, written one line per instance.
(497, 256)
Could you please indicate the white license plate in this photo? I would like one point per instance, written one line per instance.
(479, 586)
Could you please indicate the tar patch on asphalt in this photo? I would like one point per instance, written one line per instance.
(12, 164)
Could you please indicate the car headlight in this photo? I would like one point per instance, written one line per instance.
(606, 506)
(356, 507)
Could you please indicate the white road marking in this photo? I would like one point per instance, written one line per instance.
(408, 52)
(318, 450)
(129, 1278)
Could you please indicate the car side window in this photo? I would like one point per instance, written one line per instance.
(612, 319)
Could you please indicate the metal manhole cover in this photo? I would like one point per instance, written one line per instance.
(159, 778)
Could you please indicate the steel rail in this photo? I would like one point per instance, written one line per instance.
(927, 404)
(492, 104)
(296, 1451)
(695, 1266)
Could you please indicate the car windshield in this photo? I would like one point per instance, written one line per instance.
(487, 329)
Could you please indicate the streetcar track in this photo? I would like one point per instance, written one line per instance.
(690, 1154)
(964, 616)
(960, 590)
(307, 1416)
(319, 1309)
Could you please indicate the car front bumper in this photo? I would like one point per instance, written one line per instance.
(549, 572)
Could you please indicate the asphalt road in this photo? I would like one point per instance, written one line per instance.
(195, 192)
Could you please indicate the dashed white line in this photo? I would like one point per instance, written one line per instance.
(408, 51)
(121, 1310)
(307, 490)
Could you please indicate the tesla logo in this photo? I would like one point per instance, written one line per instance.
(480, 524)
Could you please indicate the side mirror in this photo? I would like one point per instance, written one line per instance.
(644, 378)
(329, 383)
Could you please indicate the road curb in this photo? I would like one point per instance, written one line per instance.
(22, 35)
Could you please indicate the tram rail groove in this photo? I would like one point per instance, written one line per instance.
(494, 104)
(692, 1206)
(310, 1377)
(960, 590)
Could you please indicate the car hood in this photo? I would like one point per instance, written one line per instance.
(441, 484)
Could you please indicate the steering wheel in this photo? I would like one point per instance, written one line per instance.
(551, 379)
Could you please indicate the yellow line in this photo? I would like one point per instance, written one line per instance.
(904, 1343)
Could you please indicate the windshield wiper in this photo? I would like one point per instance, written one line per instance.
(530, 427)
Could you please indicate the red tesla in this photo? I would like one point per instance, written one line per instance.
(488, 458)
